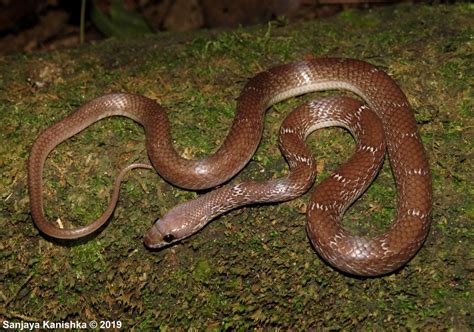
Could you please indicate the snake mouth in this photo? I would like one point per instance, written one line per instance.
(153, 239)
(148, 241)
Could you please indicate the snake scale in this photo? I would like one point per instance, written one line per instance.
(394, 125)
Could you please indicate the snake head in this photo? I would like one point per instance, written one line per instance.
(164, 232)
(174, 226)
(156, 238)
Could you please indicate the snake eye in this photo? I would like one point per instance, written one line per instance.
(168, 238)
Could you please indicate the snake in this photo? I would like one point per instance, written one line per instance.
(352, 254)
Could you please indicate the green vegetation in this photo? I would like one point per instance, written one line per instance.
(253, 267)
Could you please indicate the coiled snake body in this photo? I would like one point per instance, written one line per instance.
(352, 254)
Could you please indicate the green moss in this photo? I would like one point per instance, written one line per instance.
(253, 267)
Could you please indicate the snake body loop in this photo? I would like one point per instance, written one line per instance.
(352, 254)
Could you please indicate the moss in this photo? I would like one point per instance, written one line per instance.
(253, 267)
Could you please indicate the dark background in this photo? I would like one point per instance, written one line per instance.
(32, 25)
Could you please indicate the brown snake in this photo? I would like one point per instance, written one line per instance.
(352, 254)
